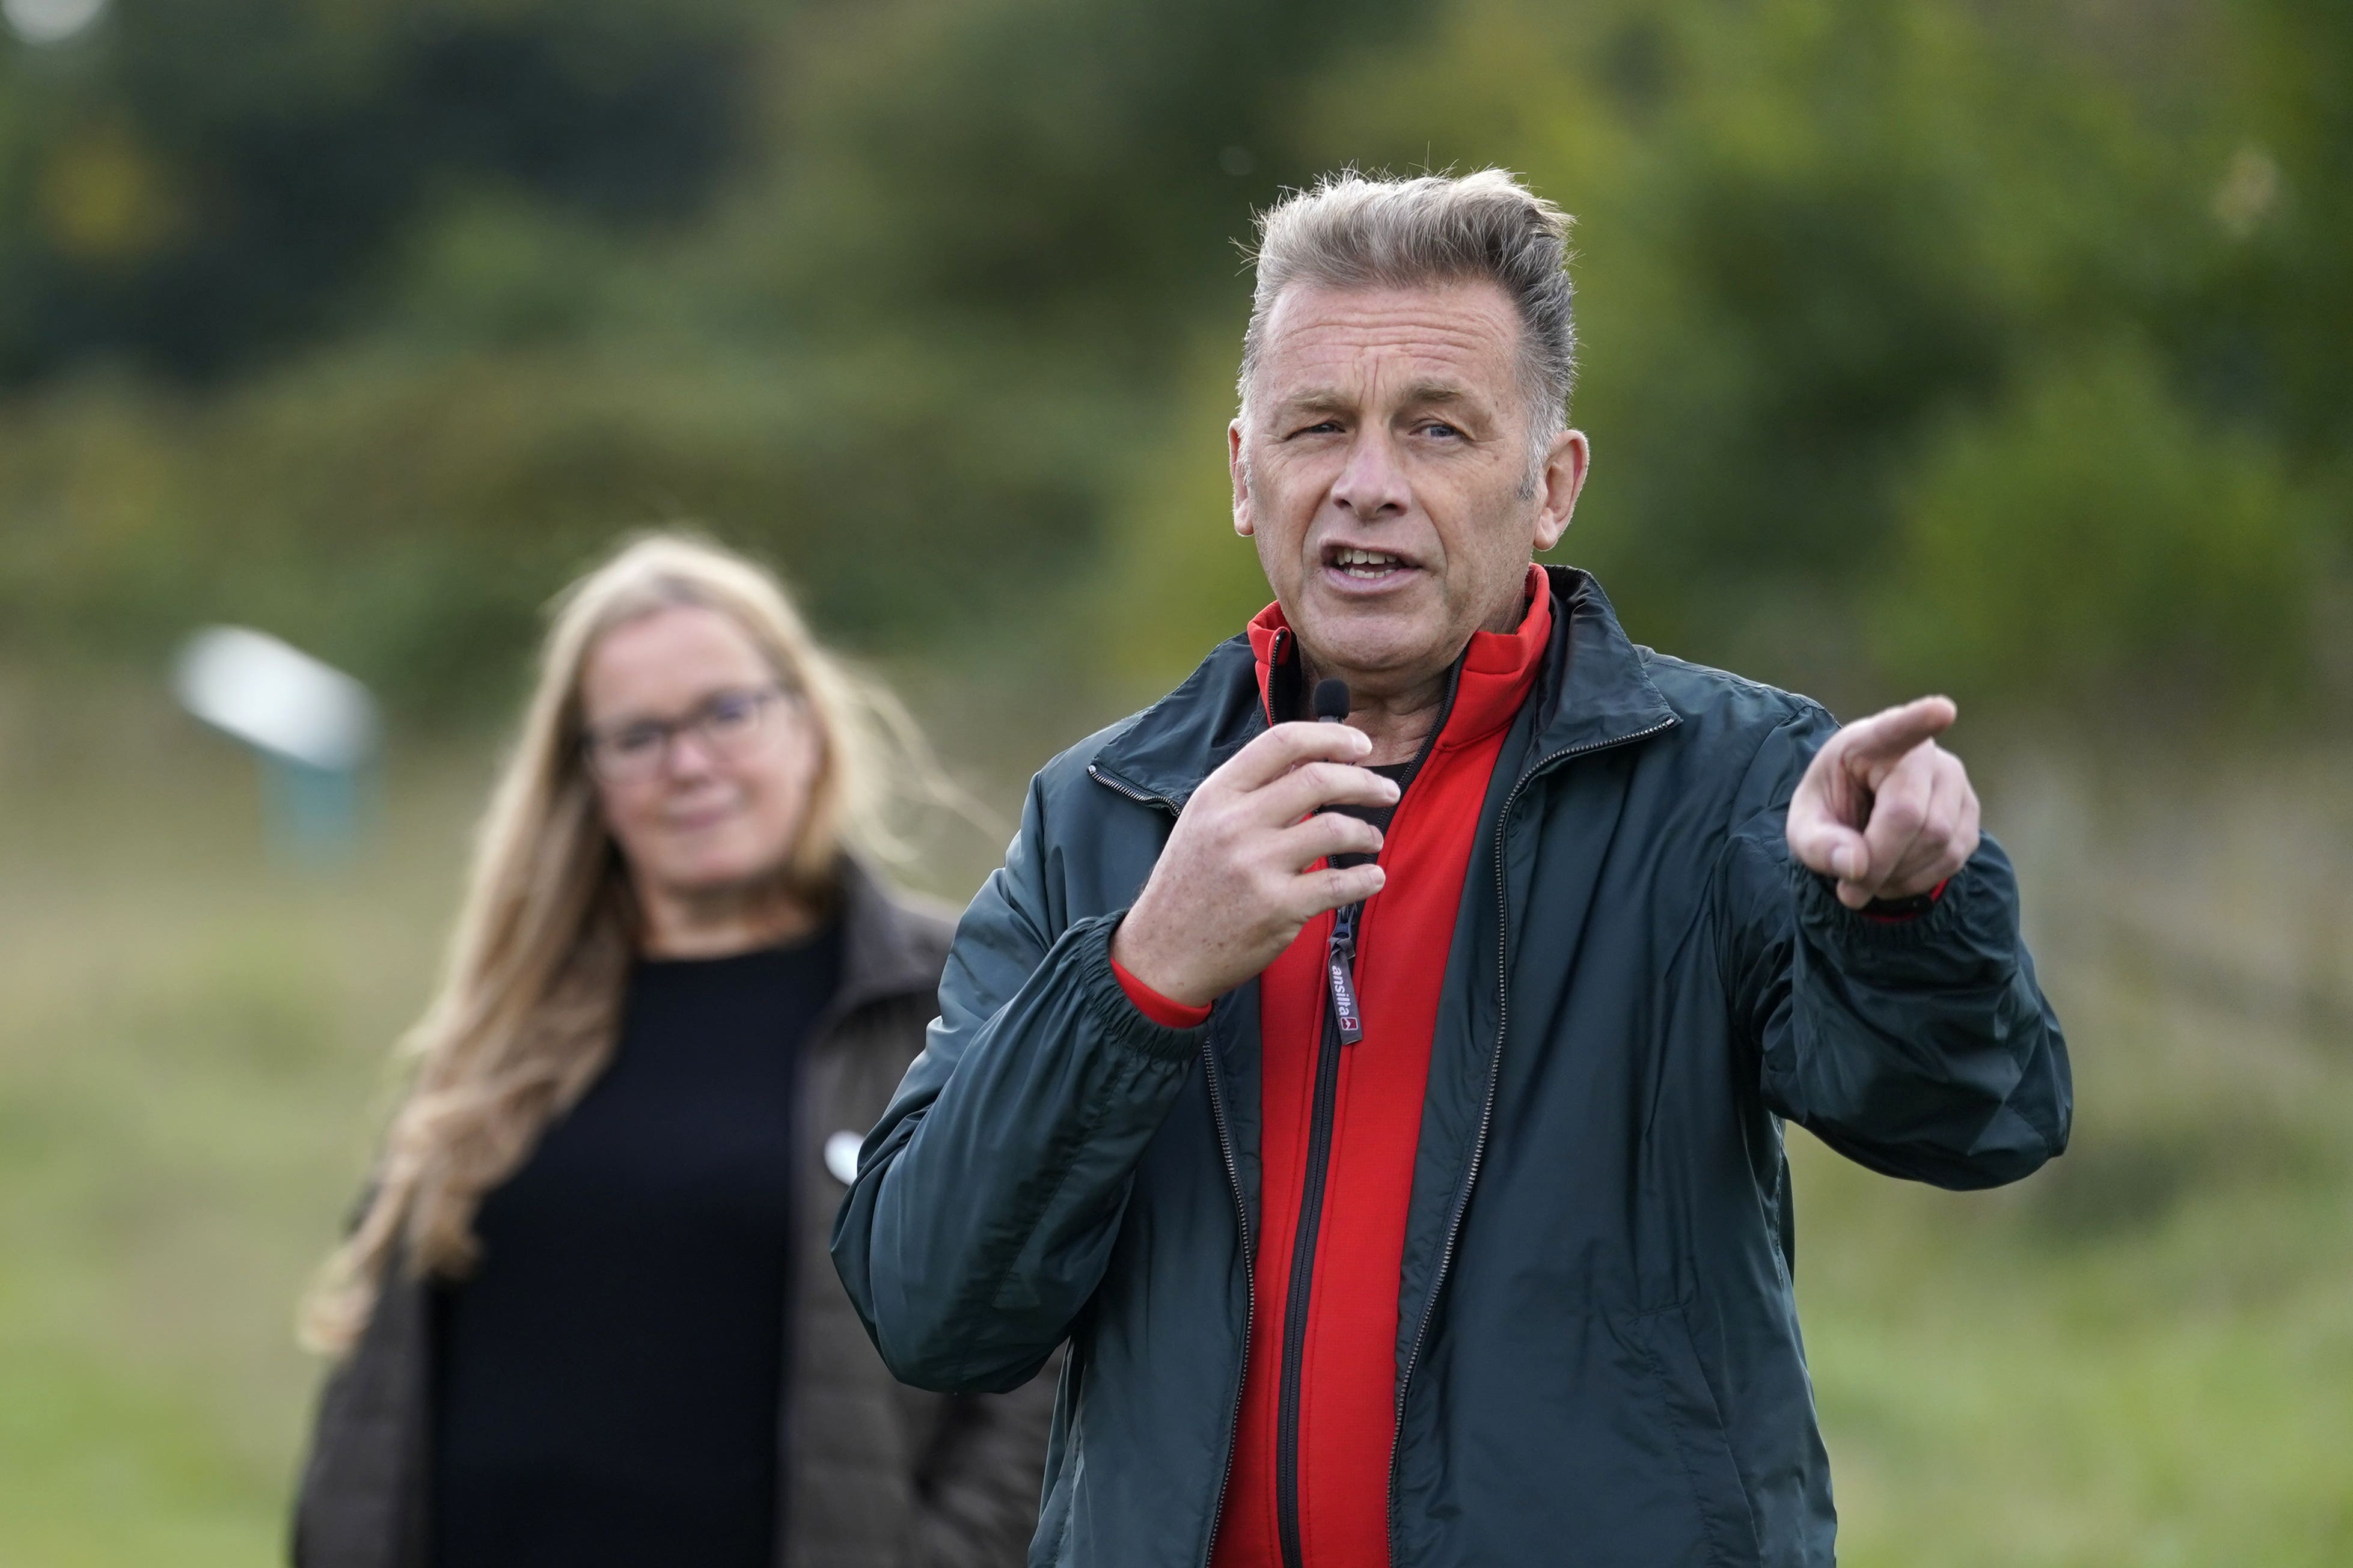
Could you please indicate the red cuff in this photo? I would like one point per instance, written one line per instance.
(1152, 1005)
(1898, 917)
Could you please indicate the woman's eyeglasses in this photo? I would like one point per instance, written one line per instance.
(727, 724)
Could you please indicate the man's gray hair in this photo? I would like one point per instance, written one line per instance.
(1351, 231)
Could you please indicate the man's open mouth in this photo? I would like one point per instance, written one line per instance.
(1366, 566)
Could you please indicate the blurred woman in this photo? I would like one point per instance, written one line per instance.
(585, 1315)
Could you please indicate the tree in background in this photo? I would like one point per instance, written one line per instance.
(204, 182)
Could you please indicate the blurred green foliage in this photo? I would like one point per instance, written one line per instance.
(1980, 343)
(203, 181)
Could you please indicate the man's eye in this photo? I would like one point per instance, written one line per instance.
(1320, 427)
(1440, 429)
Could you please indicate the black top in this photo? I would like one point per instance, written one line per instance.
(606, 1383)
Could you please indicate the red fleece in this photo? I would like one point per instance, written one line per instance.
(1164, 1011)
(1348, 1379)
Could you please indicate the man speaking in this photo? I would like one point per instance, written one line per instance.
(1388, 1112)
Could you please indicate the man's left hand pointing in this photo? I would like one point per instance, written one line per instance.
(1884, 809)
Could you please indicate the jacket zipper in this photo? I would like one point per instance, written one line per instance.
(1130, 791)
(1340, 967)
(1302, 1280)
(1343, 1027)
(1494, 1074)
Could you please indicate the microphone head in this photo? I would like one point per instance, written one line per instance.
(1331, 700)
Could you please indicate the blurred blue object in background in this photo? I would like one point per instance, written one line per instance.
(50, 21)
(313, 727)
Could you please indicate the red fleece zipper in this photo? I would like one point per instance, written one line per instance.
(1340, 1409)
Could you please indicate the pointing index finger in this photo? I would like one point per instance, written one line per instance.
(1887, 735)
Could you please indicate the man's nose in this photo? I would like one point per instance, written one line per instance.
(1372, 485)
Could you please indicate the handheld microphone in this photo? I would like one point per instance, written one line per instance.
(1331, 701)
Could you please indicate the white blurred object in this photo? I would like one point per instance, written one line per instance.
(276, 698)
(50, 21)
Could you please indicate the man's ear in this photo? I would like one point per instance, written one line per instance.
(1243, 525)
(1559, 485)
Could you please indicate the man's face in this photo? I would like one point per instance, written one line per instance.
(1382, 468)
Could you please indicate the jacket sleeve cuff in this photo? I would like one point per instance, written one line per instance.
(1892, 912)
(1161, 1010)
(1125, 1021)
(1952, 914)
(1974, 917)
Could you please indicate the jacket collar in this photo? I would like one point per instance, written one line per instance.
(1488, 683)
(1592, 691)
(1595, 690)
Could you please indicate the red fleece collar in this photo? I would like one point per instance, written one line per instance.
(1497, 667)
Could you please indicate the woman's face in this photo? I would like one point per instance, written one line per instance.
(703, 763)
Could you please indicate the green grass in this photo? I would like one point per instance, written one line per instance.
(190, 1047)
(2143, 1357)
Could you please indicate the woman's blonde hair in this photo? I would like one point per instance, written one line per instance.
(528, 1007)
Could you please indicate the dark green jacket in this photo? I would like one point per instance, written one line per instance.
(1598, 1353)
